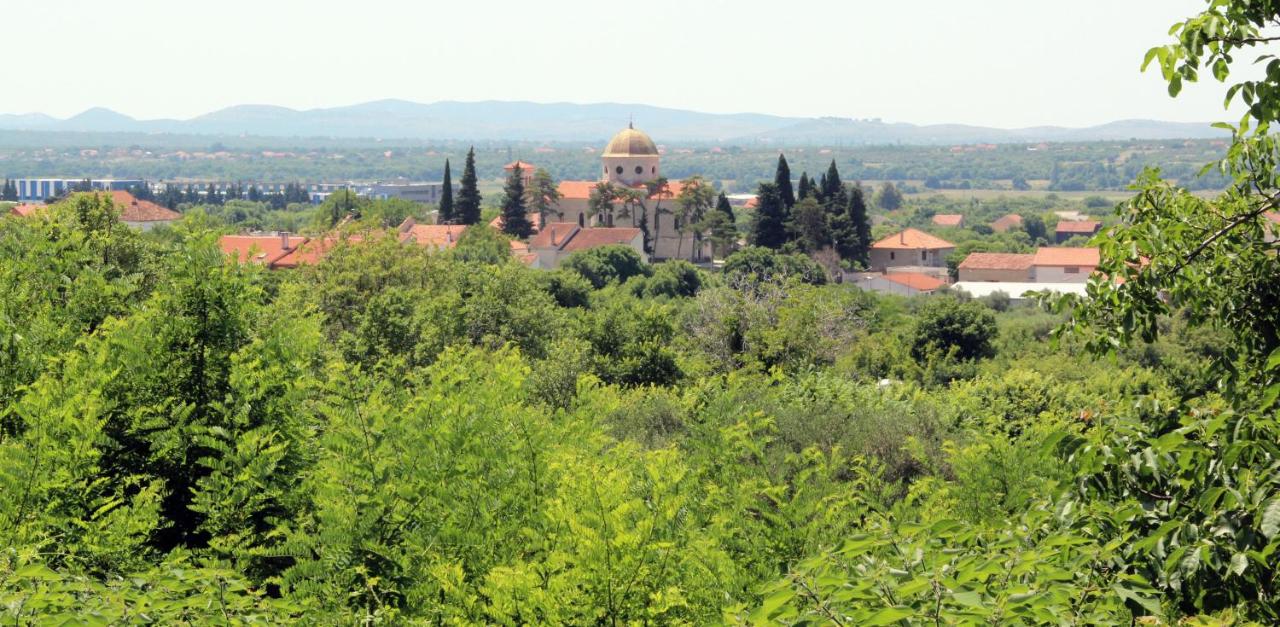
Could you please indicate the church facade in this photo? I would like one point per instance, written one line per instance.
(629, 164)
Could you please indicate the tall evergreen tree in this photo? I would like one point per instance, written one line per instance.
(515, 218)
(769, 227)
(805, 188)
(862, 225)
(723, 206)
(254, 193)
(831, 185)
(445, 213)
(782, 179)
(211, 195)
(468, 206)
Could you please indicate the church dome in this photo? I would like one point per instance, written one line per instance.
(630, 143)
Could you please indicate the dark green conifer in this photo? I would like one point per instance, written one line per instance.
(468, 205)
(782, 180)
(515, 217)
(445, 213)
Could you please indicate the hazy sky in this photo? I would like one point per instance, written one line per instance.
(1001, 63)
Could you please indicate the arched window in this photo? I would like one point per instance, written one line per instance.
(582, 222)
(653, 170)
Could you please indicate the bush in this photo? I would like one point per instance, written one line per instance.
(948, 327)
(607, 264)
(756, 264)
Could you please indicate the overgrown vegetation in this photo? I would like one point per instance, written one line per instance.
(401, 436)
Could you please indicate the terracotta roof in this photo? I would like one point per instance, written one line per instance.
(1273, 216)
(581, 190)
(134, 210)
(912, 239)
(497, 223)
(915, 280)
(525, 167)
(435, 235)
(1087, 257)
(264, 249)
(997, 261)
(26, 210)
(309, 253)
(948, 219)
(752, 203)
(1086, 227)
(1007, 222)
(568, 236)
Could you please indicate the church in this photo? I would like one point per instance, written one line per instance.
(631, 160)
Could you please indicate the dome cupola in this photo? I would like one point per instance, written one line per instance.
(630, 158)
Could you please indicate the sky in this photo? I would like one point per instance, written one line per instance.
(1002, 63)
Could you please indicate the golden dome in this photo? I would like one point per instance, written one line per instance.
(630, 143)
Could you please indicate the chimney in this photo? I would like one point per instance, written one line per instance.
(284, 240)
(448, 235)
(902, 237)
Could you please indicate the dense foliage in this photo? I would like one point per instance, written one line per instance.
(397, 435)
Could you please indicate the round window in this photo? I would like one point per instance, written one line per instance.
(618, 169)
(639, 170)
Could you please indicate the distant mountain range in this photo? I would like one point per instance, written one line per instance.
(529, 121)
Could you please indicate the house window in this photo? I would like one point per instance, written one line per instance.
(924, 255)
(581, 220)
(891, 255)
(1071, 270)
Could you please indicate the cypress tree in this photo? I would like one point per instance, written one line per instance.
(805, 189)
(723, 206)
(468, 206)
(515, 218)
(782, 180)
(861, 225)
(769, 227)
(445, 214)
(831, 185)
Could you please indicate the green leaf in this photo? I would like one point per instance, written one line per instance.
(888, 616)
(1271, 519)
(972, 599)
(1239, 562)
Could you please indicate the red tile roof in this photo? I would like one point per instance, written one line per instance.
(948, 219)
(1007, 222)
(912, 239)
(916, 281)
(1084, 227)
(309, 253)
(435, 235)
(26, 210)
(1272, 216)
(526, 168)
(581, 190)
(134, 210)
(568, 236)
(497, 223)
(264, 249)
(1085, 257)
(997, 261)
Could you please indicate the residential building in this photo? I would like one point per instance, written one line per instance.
(1063, 265)
(267, 250)
(437, 236)
(910, 248)
(142, 214)
(1010, 267)
(560, 239)
(901, 283)
(1068, 229)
